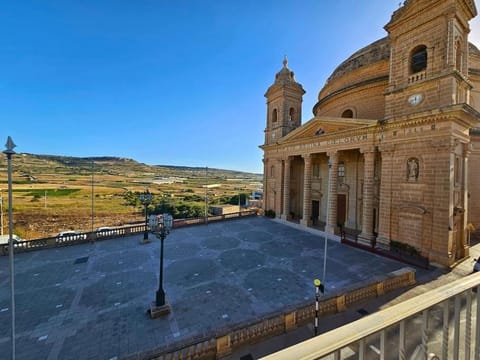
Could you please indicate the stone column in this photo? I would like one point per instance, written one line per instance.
(307, 190)
(265, 182)
(466, 242)
(385, 211)
(332, 193)
(277, 191)
(366, 236)
(286, 189)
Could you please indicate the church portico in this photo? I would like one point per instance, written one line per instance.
(329, 190)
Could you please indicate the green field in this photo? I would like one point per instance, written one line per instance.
(55, 193)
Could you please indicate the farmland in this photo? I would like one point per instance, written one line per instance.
(57, 193)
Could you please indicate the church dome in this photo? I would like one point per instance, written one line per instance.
(376, 51)
(356, 87)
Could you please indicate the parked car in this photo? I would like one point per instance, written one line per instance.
(4, 239)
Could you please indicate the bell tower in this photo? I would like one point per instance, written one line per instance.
(284, 105)
(429, 56)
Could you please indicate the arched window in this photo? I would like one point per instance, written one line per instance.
(457, 172)
(347, 114)
(291, 113)
(418, 60)
(458, 56)
(341, 172)
(274, 115)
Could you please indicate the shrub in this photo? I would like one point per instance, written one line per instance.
(270, 213)
(405, 248)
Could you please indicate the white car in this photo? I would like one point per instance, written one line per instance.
(4, 239)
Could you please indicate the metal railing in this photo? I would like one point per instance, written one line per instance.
(443, 323)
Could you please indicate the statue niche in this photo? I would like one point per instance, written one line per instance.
(412, 169)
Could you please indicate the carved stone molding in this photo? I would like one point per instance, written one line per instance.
(416, 208)
(386, 148)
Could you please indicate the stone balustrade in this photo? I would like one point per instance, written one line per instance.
(225, 341)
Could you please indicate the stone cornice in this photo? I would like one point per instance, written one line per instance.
(459, 111)
(366, 135)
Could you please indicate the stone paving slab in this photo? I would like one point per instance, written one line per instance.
(89, 301)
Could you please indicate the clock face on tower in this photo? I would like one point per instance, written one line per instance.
(415, 99)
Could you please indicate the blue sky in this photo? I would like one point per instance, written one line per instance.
(174, 82)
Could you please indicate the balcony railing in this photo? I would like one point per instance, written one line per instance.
(440, 324)
(417, 77)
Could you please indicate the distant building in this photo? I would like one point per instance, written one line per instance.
(257, 194)
(224, 209)
(395, 135)
(211, 186)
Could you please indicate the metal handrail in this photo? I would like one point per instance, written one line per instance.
(332, 341)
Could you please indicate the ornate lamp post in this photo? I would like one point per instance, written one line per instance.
(9, 152)
(146, 199)
(1, 212)
(161, 230)
(330, 163)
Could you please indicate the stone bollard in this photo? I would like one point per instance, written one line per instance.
(341, 303)
(290, 321)
(224, 346)
(380, 288)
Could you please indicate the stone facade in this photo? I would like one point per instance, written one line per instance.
(393, 150)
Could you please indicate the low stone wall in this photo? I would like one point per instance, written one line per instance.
(73, 239)
(111, 233)
(225, 341)
(213, 218)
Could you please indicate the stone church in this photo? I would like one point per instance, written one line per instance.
(392, 153)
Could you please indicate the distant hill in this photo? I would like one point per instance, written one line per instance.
(34, 164)
(53, 193)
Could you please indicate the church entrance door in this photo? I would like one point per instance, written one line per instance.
(341, 209)
(315, 211)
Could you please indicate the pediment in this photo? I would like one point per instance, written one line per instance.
(320, 126)
(471, 6)
(408, 9)
(412, 8)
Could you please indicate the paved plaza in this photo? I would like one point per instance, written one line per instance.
(89, 301)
